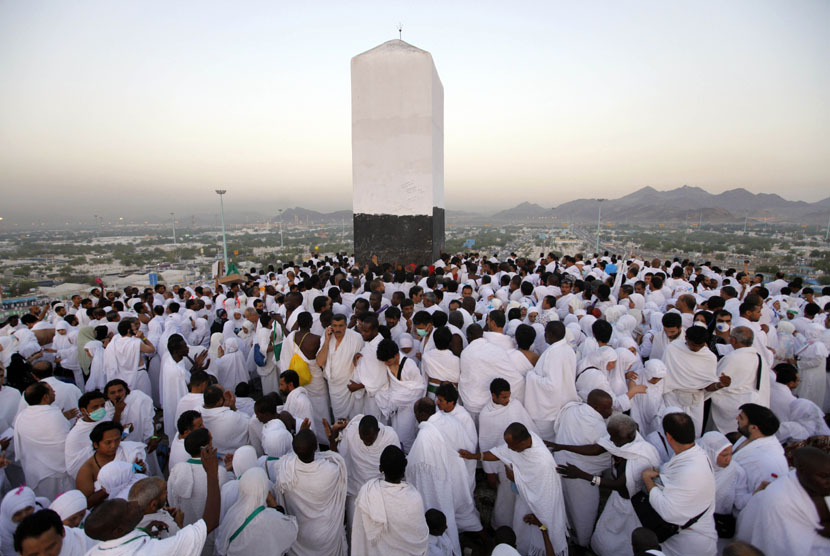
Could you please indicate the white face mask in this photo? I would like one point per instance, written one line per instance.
(722, 326)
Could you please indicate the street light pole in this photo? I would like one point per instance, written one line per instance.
(827, 233)
(221, 192)
(599, 224)
(173, 217)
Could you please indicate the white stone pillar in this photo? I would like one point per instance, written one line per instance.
(397, 155)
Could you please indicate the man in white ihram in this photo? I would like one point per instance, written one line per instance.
(552, 382)
(361, 443)
(312, 487)
(686, 496)
(539, 516)
(40, 432)
(389, 513)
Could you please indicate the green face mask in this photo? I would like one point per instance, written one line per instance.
(98, 414)
(421, 332)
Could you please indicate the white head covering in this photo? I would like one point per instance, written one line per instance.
(14, 501)
(253, 490)
(116, 478)
(243, 459)
(69, 503)
(713, 443)
(9, 345)
(405, 341)
(785, 327)
(230, 345)
(216, 340)
(585, 324)
(638, 300)
(573, 335)
(613, 313)
(275, 443)
(809, 415)
(654, 368)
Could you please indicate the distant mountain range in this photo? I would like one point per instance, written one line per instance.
(649, 204)
(646, 204)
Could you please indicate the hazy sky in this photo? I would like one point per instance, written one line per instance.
(121, 106)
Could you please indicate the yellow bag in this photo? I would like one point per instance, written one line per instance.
(299, 365)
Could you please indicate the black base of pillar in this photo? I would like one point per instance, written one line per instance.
(399, 239)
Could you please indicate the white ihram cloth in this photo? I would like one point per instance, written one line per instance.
(599, 378)
(316, 390)
(741, 366)
(97, 374)
(338, 372)
(268, 532)
(460, 414)
(540, 493)
(228, 428)
(397, 400)
(646, 407)
(782, 519)
(187, 488)
(810, 416)
(438, 472)
(761, 459)
(579, 424)
(372, 374)
(687, 374)
(39, 443)
(362, 461)
(230, 368)
(612, 535)
(688, 490)
(481, 362)
(389, 519)
(139, 412)
(550, 385)
(315, 493)
(299, 405)
(189, 541)
(492, 422)
(442, 365)
(122, 359)
(174, 379)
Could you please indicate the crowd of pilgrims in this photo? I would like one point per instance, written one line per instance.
(539, 407)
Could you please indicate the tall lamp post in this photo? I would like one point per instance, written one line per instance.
(173, 218)
(599, 224)
(221, 192)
